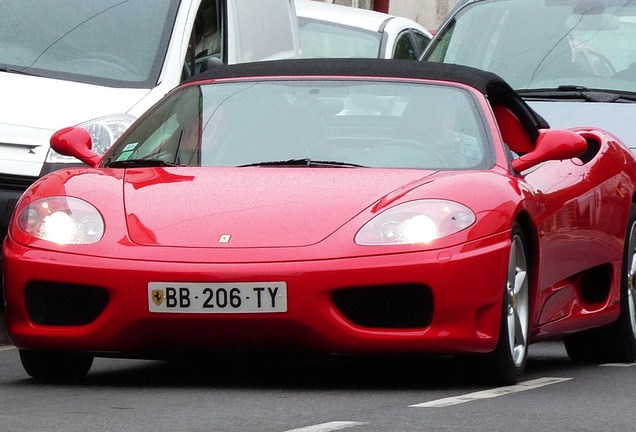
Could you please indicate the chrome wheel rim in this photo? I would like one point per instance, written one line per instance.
(517, 302)
(631, 274)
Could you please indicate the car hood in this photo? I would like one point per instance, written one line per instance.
(616, 118)
(252, 207)
(50, 104)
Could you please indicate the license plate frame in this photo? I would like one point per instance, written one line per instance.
(217, 297)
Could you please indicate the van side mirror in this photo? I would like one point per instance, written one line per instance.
(552, 144)
(75, 141)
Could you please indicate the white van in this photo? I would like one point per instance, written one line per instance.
(102, 63)
(331, 30)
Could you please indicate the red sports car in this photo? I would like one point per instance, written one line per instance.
(329, 206)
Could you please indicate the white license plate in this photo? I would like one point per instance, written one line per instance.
(251, 297)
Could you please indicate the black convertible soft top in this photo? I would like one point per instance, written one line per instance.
(488, 83)
(476, 78)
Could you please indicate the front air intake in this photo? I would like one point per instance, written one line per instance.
(386, 306)
(57, 304)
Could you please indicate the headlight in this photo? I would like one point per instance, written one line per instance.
(415, 222)
(104, 132)
(62, 220)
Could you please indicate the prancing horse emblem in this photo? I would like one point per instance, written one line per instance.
(157, 297)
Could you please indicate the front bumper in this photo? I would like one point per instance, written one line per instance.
(466, 284)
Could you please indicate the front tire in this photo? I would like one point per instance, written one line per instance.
(506, 364)
(56, 366)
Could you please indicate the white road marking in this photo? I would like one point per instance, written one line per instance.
(6, 348)
(618, 364)
(326, 427)
(487, 394)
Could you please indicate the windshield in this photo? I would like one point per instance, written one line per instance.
(108, 42)
(337, 123)
(536, 44)
(325, 39)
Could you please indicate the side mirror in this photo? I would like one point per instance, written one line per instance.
(75, 141)
(552, 144)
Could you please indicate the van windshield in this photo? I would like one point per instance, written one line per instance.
(119, 43)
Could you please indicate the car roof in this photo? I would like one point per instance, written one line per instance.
(345, 15)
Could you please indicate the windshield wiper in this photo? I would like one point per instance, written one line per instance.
(577, 92)
(304, 162)
(140, 163)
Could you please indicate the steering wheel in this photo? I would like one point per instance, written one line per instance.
(431, 152)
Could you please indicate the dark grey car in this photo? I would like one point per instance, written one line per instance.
(574, 61)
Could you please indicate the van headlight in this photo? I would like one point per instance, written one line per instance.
(104, 131)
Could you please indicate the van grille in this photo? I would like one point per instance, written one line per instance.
(16, 182)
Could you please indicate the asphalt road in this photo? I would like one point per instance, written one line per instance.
(283, 394)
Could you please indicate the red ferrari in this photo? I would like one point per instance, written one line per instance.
(329, 206)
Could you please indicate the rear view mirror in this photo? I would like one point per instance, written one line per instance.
(75, 141)
(552, 144)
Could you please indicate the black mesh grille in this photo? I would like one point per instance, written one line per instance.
(16, 182)
(386, 306)
(592, 150)
(64, 305)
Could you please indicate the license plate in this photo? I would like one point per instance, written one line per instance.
(251, 297)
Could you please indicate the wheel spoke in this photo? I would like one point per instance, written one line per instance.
(512, 265)
(511, 329)
(520, 333)
(521, 282)
(631, 298)
(631, 282)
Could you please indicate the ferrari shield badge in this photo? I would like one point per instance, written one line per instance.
(157, 296)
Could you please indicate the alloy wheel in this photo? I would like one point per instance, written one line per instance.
(517, 302)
